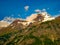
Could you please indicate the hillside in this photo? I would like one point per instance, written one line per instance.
(37, 33)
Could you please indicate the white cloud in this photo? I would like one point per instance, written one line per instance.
(26, 8)
(37, 10)
(9, 19)
(43, 9)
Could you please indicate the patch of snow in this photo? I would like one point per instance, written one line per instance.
(47, 17)
(31, 17)
(19, 22)
(3, 24)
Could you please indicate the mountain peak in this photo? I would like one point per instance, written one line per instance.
(42, 17)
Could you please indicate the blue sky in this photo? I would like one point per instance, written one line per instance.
(16, 7)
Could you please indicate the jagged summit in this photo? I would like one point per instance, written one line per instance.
(35, 17)
(42, 17)
(18, 21)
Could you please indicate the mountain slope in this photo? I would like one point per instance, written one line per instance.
(37, 33)
(3, 24)
(14, 26)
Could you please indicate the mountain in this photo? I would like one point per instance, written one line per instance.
(37, 29)
(9, 19)
(35, 17)
(37, 33)
(18, 24)
(14, 26)
(3, 24)
(44, 16)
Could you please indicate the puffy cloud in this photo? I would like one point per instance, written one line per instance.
(43, 9)
(26, 8)
(37, 10)
(9, 19)
(6, 21)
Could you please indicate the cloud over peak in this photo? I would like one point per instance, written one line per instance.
(38, 10)
(44, 9)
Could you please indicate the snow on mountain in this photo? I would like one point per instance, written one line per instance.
(9, 19)
(47, 17)
(6, 21)
(19, 21)
(31, 17)
(3, 24)
(42, 17)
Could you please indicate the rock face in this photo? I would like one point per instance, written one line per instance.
(44, 33)
(18, 24)
(39, 17)
(14, 26)
(17, 21)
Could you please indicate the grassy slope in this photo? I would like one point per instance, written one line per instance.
(46, 33)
